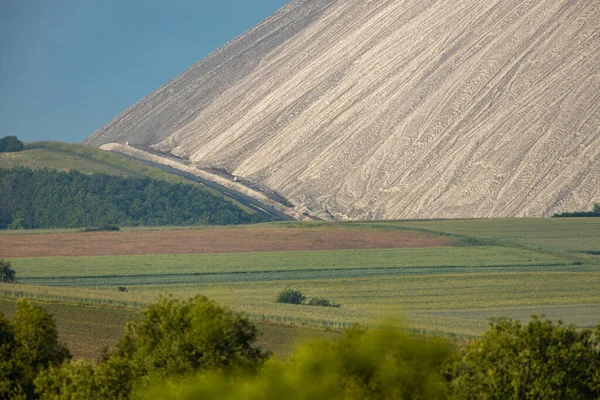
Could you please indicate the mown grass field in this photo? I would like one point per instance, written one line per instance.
(490, 268)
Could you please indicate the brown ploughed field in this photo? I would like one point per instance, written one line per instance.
(224, 240)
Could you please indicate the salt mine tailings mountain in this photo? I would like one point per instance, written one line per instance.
(395, 108)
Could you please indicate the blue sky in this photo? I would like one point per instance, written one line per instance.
(67, 67)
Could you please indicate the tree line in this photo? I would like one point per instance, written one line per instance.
(34, 199)
(196, 349)
(594, 213)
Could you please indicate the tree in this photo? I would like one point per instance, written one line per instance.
(535, 361)
(173, 338)
(10, 144)
(52, 199)
(8, 371)
(377, 365)
(7, 274)
(594, 213)
(28, 345)
(290, 296)
(73, 380)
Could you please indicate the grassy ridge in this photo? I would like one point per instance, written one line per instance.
(68, 156)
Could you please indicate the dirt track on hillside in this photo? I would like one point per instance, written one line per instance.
(228, 240)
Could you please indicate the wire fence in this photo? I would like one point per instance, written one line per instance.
(83, 301)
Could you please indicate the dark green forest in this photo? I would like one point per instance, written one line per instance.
(45, 198)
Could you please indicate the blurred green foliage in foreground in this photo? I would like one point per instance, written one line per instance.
(196, 349)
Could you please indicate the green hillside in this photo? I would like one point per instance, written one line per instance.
(68, 156)
(62, 185)
(88, 160)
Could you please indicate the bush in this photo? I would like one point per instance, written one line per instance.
(103, 228)
(321, 302)
(290, 296)
(7, 274)
(536, 361)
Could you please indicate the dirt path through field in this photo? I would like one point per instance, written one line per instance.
(228, 240)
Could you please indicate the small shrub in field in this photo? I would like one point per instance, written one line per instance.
(7, 274)
(321, 302)
(102, 228)
(290, 296)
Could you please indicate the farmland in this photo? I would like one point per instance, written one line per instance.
(439, 277)
(580, 235)
(87, 330)
(214, 240)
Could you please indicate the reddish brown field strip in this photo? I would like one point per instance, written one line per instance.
(209, 241)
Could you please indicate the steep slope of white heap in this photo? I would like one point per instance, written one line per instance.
(396, 108)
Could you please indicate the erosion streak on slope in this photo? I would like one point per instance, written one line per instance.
(397, 108)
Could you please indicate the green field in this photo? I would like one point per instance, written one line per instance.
(201, 268)
(580, 235)
(523, 267)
